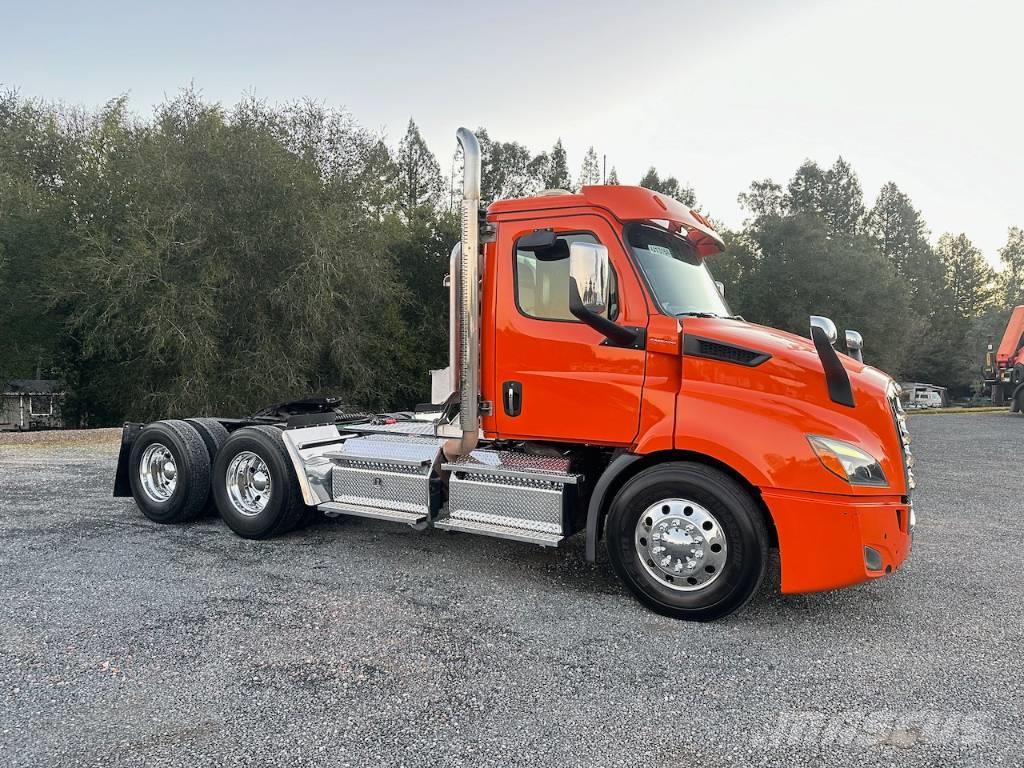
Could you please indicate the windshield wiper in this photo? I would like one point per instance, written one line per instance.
(709, 314)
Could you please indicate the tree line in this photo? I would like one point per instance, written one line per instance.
(213, 259)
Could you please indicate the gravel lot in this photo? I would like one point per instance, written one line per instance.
(357, 642)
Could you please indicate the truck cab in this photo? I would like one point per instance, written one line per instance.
(598, 384)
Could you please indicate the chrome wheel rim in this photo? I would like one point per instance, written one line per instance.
(681, 544)
(248, 483)
(158, 472)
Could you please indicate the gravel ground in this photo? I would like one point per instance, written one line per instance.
(357, 642)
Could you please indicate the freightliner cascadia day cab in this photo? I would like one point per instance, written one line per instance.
(597, 384)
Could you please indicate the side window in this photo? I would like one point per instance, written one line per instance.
(542, 285)
(40, 405)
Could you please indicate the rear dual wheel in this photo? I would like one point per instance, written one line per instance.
(255, 486)
(688, 541)
(169, 472)
(181, 470)
(213, 435)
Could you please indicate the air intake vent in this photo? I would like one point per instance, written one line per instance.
(727, 353)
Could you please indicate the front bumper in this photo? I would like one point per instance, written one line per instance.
(829, 541)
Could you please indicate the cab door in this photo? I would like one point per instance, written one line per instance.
(554, 377)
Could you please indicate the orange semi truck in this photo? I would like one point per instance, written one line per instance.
(598, 384)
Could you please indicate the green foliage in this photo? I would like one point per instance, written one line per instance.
(419, 175)
(969, 278)
(764, 200)
(669, 186)
(554, 168)
(924, 312)
(834, 196)
(507, 170)
(590, 171)
(211, 260)
(787, 268)
(899, 234)
(1011, 280)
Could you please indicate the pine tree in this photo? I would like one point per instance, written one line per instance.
(419, 175)
(834, 196)
(556, 169)
(613, 177)
(590, 172)
(969, 278)
(1011, 279)
(806, 191)
(843, 199)
(669, 186)
(898, 232)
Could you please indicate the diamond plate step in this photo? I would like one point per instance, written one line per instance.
(357, 510)
(500, 531)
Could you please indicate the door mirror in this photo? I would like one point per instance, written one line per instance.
(588, 267)
(589, 292)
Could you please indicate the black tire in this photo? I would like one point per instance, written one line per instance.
(738, 516)
(214, 436)
(284, 509)
(192, 472)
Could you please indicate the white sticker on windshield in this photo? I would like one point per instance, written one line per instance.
(660, 250)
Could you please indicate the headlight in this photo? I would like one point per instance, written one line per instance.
(847, 461)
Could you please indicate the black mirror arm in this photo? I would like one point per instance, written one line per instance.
(607, 328)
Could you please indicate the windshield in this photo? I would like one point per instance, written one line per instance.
(678, 277)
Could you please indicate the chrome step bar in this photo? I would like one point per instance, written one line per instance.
(510, 495)
(499, 531)
(415, 519)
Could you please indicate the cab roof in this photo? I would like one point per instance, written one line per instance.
(626, 204)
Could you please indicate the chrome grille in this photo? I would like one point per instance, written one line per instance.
(900, 418)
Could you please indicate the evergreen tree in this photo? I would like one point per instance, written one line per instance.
(805, 193)
(788, 268)
(556, 169)
(843, 200)
(969, 278)
(669, 186)
(1011, 279)
(419, 175)
(897, 228)
(613, 177)
(590, 172)
(834, 196)
(899, 234)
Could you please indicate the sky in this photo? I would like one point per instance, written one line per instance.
(718, 94)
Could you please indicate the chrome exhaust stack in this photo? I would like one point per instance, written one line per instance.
(465, 355)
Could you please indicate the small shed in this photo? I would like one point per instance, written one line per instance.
(31, 404)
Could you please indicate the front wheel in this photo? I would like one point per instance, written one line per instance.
(687, 540)
(254, 484)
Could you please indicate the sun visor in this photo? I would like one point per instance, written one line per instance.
(632, 203)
